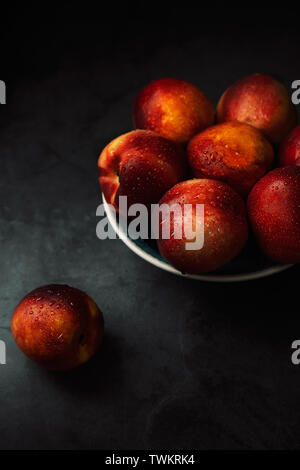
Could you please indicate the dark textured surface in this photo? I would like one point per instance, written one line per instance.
(184, 364)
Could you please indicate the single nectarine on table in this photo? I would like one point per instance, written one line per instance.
(141, 165)
(233, 152)
(289, 153)
(225, 225)
(274, 213)
(261, 101)
(58, 326)
(173, 108)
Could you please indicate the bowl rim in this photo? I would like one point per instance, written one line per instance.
(167, 267)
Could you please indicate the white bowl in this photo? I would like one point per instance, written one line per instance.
(152, 255)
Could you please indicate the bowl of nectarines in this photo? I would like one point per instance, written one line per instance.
(240, 167)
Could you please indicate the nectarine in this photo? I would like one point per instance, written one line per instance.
(141, 165)
(261, 101)
(289, 153)
(233, 152)
(58, 326)
(274, 213)
(173, 108)
(225, 225)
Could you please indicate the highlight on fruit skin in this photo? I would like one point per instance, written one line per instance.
(289, 153)
(141, 165)
(58, 326)
(233, 152)
(274, 214)
(263, 102)
(225, 225)
(173, 108)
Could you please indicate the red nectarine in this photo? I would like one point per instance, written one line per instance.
(232, 152)
(289, 153)
(225, 225)
(141, 165)
(58, 326)
(261, 101)
(173, 108)
(274, 213)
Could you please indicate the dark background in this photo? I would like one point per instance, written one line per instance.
(184, 364)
